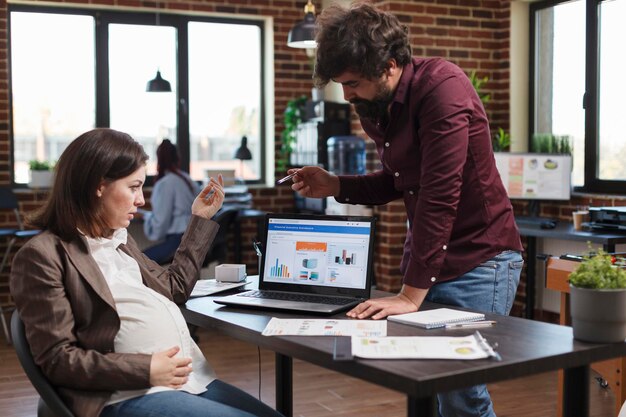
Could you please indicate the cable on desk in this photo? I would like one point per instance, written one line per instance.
(258, 349)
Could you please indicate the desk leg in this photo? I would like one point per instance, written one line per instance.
(284, 385)
(576, 392)
(422, 407)
(531, 263)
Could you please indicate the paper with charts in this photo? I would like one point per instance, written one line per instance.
(422, 347)
(325, 327)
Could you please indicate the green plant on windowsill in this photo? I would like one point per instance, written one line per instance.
(550, 143)
(292, 118)
(36, 165)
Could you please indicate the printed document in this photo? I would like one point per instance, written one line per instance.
(423, 347)
(325, 327)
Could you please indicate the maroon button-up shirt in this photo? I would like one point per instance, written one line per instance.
(436, 154)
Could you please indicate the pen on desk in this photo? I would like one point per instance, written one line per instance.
(288, 177)
(470, 325)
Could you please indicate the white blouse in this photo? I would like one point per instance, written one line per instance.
(150, 322)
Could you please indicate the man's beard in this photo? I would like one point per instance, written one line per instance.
(376, 108)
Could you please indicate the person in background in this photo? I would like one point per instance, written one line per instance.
(462, 246)
(171, 199)
(101, 318)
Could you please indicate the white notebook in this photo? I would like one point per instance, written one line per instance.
(439, 317)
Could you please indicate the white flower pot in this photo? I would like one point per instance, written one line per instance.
(40, 179)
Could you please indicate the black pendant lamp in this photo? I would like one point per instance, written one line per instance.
(303, 33)
(158, 84)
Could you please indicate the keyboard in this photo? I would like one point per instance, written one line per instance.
(531, 220)
(303, 298)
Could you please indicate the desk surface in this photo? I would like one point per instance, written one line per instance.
(527, 347)
(565, 231)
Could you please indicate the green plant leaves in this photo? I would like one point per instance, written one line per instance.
(36, 165)
(598, 272)
(292, 118)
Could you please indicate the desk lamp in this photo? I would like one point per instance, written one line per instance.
(243, 154)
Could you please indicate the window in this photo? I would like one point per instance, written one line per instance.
(91, 69)
(611, 93)
(224, 96)
(52, 88)
(147, 117)
(576, 86)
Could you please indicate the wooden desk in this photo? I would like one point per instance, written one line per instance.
(612, 370)
(564, 231)
(527, 347)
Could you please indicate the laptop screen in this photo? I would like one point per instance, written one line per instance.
(318, 254)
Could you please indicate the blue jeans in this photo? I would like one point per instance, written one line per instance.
(490, 288)
(220, 400)
(163, 252)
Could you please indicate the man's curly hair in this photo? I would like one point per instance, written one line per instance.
(360, 38)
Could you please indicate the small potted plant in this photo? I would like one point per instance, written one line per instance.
(598, 299)
(40, 174)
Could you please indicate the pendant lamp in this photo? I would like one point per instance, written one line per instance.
(302, 35)
(158, 84)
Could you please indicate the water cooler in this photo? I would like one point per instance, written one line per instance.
(346, 155)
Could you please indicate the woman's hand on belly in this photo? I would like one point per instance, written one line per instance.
(166, 370)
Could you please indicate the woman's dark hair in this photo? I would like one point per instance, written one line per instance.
(361, 38)
(93, 157)
(168, 160)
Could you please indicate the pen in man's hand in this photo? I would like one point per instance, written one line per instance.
(470, 325)
(288, 177)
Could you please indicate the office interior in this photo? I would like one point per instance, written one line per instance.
(494, 39)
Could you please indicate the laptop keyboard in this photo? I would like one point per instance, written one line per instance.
(303, 298)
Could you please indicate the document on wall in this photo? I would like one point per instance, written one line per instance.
(325, 327)
(423, 347)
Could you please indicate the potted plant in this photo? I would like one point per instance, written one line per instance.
(501, 141)
(598, 299)
(40, 174)
(293, 117)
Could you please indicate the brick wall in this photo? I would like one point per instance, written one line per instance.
(471, 33)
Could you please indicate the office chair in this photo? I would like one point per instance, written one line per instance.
(8, 201)
(50, 403)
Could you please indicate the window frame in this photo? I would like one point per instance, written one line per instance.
(592, 182)
(104, 17)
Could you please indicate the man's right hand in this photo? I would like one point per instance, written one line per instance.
(169, 371)
(314, 182)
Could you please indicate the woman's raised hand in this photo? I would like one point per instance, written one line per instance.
(210, 199)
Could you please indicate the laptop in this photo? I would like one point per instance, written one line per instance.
(312, 263)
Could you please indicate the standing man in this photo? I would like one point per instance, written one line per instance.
(432, 136)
